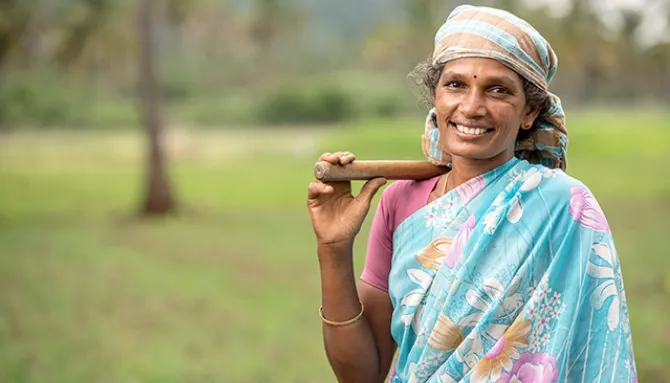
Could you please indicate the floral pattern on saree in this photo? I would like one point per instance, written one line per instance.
(511, 277)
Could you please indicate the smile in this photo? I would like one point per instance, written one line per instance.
(470, 131)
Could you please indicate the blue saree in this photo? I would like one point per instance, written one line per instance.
(511, 277)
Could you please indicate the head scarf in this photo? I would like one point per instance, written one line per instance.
(485, 32)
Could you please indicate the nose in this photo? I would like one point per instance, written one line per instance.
(472, 104)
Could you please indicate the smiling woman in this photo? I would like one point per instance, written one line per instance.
(502, 270)
(480, 108)
(537, 100)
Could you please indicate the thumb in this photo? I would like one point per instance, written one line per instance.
(370, 189)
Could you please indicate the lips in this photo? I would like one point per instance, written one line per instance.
(470, 130)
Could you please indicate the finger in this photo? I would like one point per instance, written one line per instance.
(341, 158)
(333, 158)
(337, 156)
(347, 158)
(370, 189)
(325, 156)
(317, 189)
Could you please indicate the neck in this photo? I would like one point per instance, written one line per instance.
(465, 169)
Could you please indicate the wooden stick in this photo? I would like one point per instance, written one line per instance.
(365, 170)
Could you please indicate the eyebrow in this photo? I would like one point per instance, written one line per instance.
(501, 79)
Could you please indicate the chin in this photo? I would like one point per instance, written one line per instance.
(471, 152)
(481, 150)
(481, 155)
(476, 157)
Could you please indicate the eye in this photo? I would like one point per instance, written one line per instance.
(499, 90)
(453, 84)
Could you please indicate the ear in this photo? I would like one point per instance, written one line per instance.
(529, 117)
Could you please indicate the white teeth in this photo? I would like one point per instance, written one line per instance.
(471, 131)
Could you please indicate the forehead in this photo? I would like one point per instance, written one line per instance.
(481, 67)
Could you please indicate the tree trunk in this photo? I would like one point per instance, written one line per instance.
(158, 194)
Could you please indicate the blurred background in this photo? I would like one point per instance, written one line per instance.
(155, 154)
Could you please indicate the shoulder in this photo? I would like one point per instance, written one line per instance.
(558, 199)
(403, 198)
(561, 191)
(402, 190)
(560, 183)
(545, 179)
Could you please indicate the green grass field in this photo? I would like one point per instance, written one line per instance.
(228, 290)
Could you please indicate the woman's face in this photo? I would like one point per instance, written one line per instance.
(480, 106)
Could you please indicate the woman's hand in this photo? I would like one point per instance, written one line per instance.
(336, 214)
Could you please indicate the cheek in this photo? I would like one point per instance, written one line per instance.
(442, 97)
(506, 116)
(444, 105)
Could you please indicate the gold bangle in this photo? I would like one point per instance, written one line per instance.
(340, 324)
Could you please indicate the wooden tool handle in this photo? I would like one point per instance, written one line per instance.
(365, 170)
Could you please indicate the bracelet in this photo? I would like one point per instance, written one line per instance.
(340, 324)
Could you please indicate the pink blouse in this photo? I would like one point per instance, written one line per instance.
(398, 201)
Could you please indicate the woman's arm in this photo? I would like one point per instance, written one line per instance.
(362, 351)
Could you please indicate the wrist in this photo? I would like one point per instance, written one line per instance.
(335, 254)
(335, 246)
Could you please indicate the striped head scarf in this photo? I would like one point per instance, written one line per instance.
(493, 33)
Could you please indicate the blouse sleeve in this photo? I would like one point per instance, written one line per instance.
(380, 245)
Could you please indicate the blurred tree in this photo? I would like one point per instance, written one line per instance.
(178, 11)
(82, 23)
(422, 26)
(95, 38)
(272, 21)
(16, 17)
(383, 49)
(266, 23)
(659, 73)
(580, 28)
(508, 5)
(158, 198)
(630, 53)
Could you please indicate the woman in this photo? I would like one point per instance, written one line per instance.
(502, 270)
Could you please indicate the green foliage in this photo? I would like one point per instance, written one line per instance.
(337, 97)
(47, 99)
(39, 98)
(214, 111)
(317, 103)
(176, 88)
